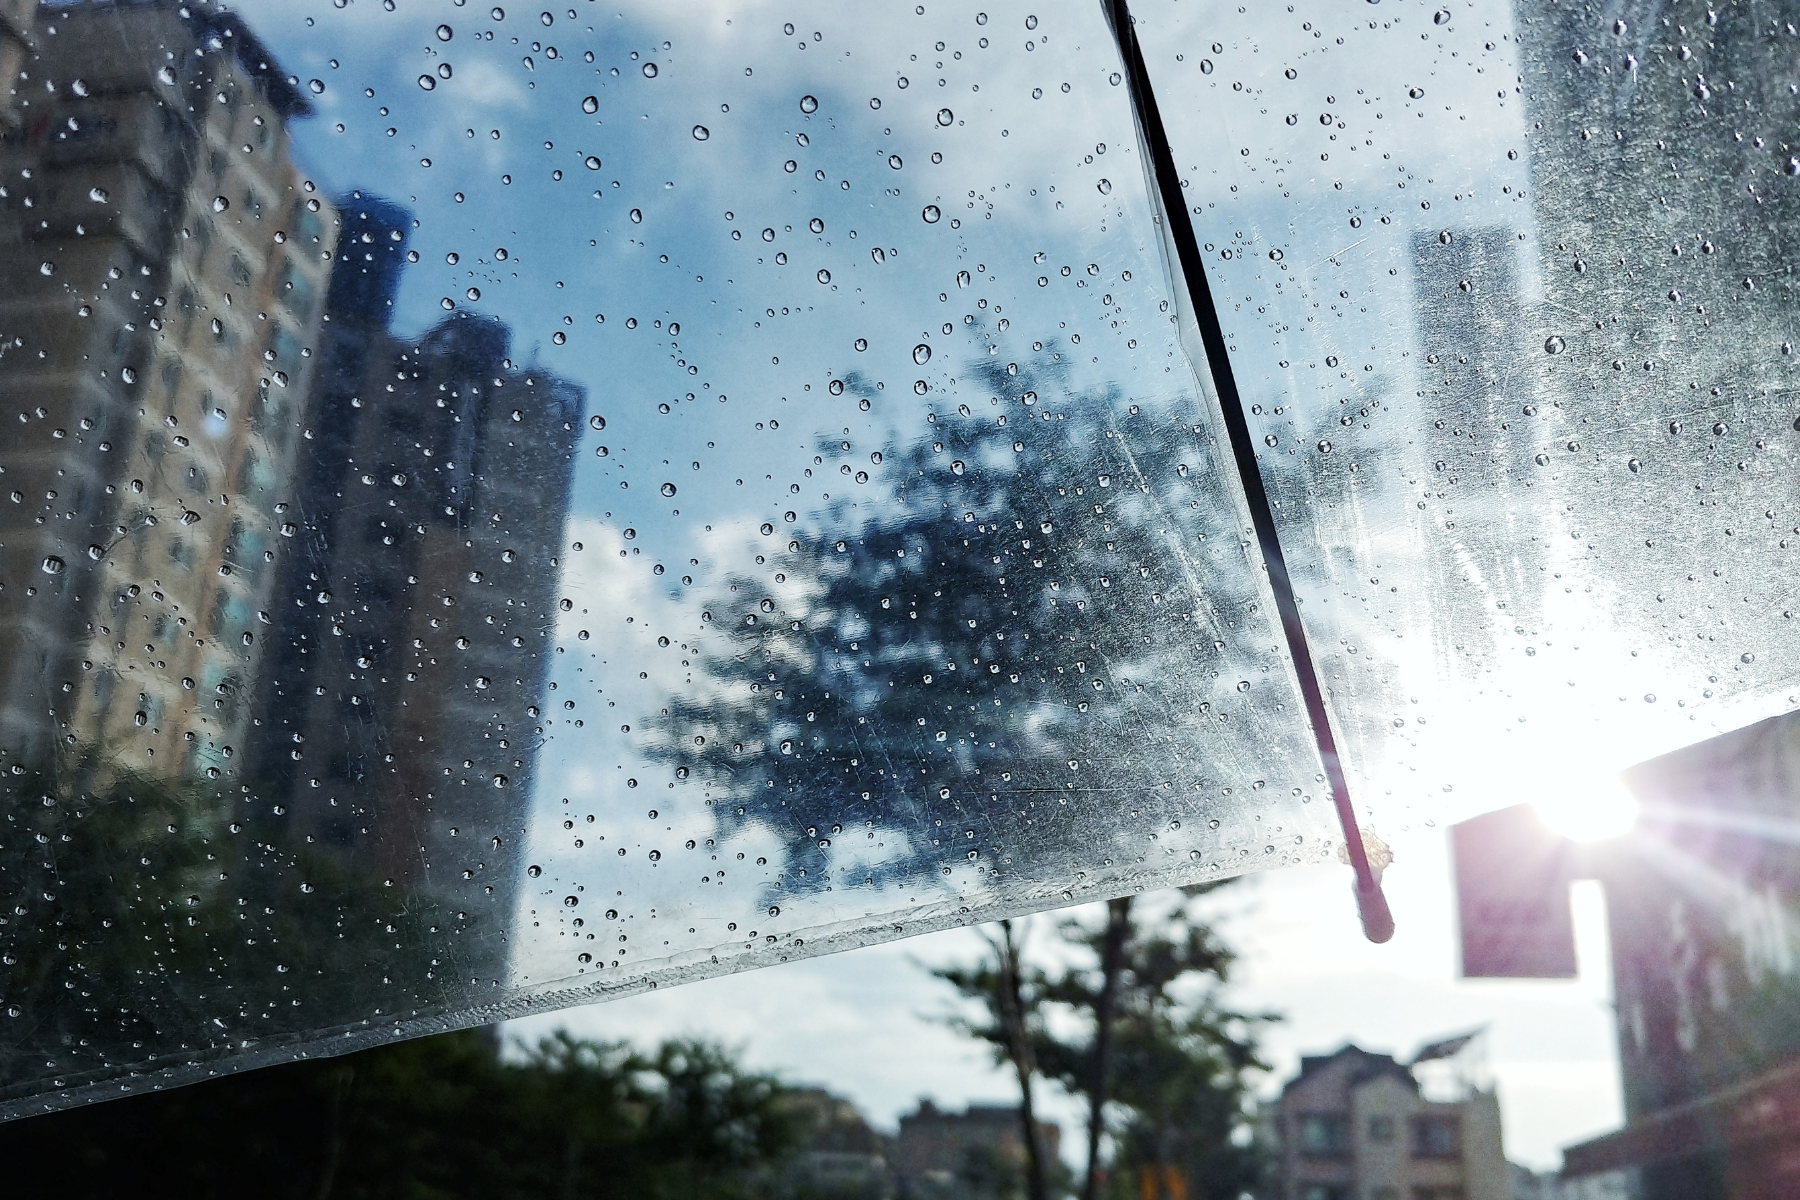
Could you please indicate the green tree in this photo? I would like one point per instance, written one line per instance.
(1162, 1061)
(155, 912)
(433, 1119)
(1012, 1023)
(973, 647)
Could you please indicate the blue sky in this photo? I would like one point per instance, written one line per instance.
(712, 364)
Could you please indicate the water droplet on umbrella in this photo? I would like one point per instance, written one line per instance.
(921, 354)
(445, 33)
(931, 214)
(1105, 186)
(53, 565)
(649, 70)
(824, 276)
(668, 489)
(701, 133)
(809, 104)
(591, 104)
(220, 204)
(427, 82)
(945, 116)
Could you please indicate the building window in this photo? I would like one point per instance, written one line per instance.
(1381, 1129)
(1436, 1137)
(1323, 1136)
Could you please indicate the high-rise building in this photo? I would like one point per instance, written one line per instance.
(166, 263)
(418, 604)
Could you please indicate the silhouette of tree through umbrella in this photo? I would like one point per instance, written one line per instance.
(960, 665)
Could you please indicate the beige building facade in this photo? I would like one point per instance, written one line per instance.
(167, 265)
(1354, 1126)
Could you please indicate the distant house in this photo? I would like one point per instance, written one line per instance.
(1354, 1126)
(840, 1157)
(977, 1154)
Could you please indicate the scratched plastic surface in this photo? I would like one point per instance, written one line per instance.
(1508, 292)
(510, 508)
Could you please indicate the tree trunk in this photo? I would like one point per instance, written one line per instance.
(1012, 1013)
(1112, 961)
(334, 1145)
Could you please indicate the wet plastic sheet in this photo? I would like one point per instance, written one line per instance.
(507, 508)
(1508, 295)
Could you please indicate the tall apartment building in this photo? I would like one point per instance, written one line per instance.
(17, 19)
(166, 264)
(1354, 1126)
(417, 605)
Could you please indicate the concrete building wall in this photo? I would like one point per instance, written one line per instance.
(169, 263)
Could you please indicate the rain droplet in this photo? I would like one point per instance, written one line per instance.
(1324, 447)
(593, 164)
(1554, 344)
(591, 105)
(315, 86)
(809, 104)
(649, 70)
(220, 204)
(701, 133)
(1275, 255)
(1105, 186)
(473, 293)
(1633, 465)
(894, 161)
(668, 489)
(931, 215)
(921, 354)
(637, 216)
(945, 116)
(1206, 66)
(879, 255)
(571, 901)
(1441, 17)
(97, 195)
(816, 225)
(445, 33)
(427, 82)
(824, 276)
(53, 565)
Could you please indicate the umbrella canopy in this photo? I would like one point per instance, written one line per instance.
(515, 507)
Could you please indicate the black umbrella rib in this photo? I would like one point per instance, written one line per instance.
(1377, 920)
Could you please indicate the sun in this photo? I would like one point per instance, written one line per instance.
(1595, 808)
